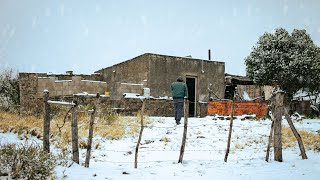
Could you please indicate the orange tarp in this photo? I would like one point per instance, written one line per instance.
(223, 108)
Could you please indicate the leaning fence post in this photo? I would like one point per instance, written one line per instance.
(46, 122)
(74, 133)
(88, 155)
(296, 135)
(140, 135)
(230, 131)
(184, 137)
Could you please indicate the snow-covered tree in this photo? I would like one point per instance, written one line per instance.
(291, 61)
(9, 90)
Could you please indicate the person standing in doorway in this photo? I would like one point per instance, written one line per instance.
(179, 91)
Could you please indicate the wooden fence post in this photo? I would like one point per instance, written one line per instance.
(46, 122)
(270, 139)
(89, 145)
(74, 133)
(140, 134)
(296, 134)
(230, 132)
(184, 137)
(278, 112)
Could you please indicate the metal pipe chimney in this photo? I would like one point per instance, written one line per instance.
(209, 54)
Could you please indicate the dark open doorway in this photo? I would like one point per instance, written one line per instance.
(191, 84)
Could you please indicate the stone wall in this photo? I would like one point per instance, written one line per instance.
(154, 107)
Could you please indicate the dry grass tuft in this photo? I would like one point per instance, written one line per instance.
(310, 140)
(113, 127)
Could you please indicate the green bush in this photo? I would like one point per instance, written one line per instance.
(26, 161)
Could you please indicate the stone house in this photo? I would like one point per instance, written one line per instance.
(152, 71)
(157, 72)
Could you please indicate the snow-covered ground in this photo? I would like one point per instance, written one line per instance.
(203, 158)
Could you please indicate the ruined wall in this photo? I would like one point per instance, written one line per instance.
(28, 83)
(69, 87)
(255, 91)
(32, 86)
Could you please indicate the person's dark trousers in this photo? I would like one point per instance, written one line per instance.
(178, 109)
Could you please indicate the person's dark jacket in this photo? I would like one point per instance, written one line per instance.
(179, 90)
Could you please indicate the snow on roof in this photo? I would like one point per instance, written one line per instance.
(246, 96)
(164, 97)
(61, 81)
(101, 82)
(132, 95)
(62, 103)
(132, 84)
(88, 95)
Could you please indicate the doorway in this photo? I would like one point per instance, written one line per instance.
(191, 84)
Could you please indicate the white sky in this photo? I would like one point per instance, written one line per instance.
(85, 36)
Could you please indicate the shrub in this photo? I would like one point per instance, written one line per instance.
(26, 161)
(9, 91)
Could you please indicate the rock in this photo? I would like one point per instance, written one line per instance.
(201, 137)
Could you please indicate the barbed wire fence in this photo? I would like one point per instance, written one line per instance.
(95, 111)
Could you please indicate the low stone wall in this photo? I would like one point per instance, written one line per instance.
(154, 107)
(124, 106)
